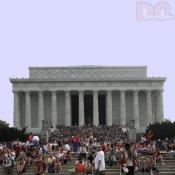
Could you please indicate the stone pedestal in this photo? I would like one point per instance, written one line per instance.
(132, 134)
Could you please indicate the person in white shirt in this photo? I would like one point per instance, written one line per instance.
(83, 152)
(100, 162)
(67, 147)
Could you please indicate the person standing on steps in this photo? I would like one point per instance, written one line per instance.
(129, 159)
(100, 162)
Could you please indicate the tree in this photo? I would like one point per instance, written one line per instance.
(4, 124)
(162, 130)
(10, 134)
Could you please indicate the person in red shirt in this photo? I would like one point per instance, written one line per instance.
(80, 168)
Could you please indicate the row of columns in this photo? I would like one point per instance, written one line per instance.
(109, 119)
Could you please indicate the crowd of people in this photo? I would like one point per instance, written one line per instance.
(101, 133)
(93, 147)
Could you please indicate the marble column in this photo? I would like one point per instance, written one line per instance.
(40, 109)
(160, 111)
(109, 120)
(27, 109)
(67, 108)
(122, 108)
(95, 108)
(54, 109)
(81, 108)
(149, 107)
(136, 109)
(16, 121)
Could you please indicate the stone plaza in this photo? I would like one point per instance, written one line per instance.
(79, 95)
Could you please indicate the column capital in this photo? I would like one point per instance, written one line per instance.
(135, 92)
(109, 91)
(53, 92)
(67, 91)
(147, 91)
(160, 91)
(27, 92)
(122, 91)
(15, 92)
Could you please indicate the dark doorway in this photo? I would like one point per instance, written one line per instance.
(74, 109)
(88, 109)
(102, 109)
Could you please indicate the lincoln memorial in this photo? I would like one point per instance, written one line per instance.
(79, 95)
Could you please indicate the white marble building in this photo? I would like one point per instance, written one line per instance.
(88, 94)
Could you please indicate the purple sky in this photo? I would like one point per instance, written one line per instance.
(83, 32)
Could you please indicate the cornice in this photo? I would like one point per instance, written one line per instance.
(29, 80)
(88, 67)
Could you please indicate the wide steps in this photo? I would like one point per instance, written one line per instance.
(168, 169)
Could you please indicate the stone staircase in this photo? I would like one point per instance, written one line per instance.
(168, 169)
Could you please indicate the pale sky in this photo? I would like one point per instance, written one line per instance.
(85, 32)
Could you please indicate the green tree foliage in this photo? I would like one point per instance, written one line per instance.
(3, 124)
(162, 130)
(10, 134)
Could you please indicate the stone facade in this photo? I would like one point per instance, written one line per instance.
(63, 96)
